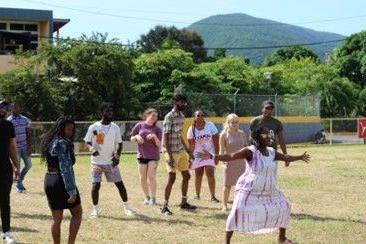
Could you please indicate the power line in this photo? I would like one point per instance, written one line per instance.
(206, 48)
(188, 23)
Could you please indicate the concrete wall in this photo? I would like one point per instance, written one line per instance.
(296, 129)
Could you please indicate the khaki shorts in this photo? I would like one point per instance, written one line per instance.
(181, 162)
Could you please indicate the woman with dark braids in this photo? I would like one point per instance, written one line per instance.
(259, 206)
(203, 135)
(59, 182)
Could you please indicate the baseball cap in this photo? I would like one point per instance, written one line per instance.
(268, 104)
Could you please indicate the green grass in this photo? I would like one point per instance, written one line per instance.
(328, 199)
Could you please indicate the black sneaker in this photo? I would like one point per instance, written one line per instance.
(215, 200)
(187, 206)
(165, 211)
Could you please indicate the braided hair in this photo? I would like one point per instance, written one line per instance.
(57, 129)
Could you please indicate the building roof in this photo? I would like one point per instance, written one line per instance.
(26, 14)
(33, 15)
(59, 23)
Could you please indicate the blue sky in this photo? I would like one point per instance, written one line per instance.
(189, 11)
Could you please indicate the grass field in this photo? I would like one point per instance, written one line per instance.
(328, 199)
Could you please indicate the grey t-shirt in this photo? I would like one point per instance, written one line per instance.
(273, 124)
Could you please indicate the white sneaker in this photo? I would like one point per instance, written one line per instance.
(129, 211)
(152, 201)
(147, 201)
(8, 238)
(95, 213)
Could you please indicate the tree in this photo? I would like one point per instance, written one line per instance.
(188, 40)
(219, 53)
(350, 58)
(103, 70)
(283, 54)
(153, 73)
(39, 98)
(362, 103)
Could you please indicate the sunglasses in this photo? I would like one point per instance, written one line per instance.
(199, 115)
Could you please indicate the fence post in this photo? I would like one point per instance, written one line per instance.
(276, 105)
(331, 131)
(235, 94)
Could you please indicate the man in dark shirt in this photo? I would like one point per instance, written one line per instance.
(9, 168)
(272, 124)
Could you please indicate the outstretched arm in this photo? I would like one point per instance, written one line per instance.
(244, 153)
(290, 158)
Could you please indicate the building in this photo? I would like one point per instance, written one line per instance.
(25, 29)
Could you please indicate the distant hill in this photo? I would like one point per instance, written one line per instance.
(241, 30)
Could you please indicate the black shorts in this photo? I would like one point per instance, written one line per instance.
(57, 196)
(145, 160)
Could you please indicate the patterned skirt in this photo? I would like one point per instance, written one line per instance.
(259, 213)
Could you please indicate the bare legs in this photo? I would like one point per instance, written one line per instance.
(281, 237)
(169, 185)
(57, 216)
(147, 174)
(210, 174)
(198, 180)
(229, 235)
(151, 177)
(143, 179)
(226, 196)
(185, 181)
(76, 217)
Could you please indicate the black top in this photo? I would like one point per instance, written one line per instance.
(6, 133)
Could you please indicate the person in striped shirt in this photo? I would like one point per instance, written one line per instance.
(22, 126)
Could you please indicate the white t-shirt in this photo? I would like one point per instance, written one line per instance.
(203, 138)
(105, 139)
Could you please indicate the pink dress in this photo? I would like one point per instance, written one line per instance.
(203, 141)
(259, 206)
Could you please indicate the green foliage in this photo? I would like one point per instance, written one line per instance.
(307, 76)
(350, 58)
(219, 53)
(104, 72)
(241, 30)
(287, 53)
(34, 92)
(153, 72)
(162, 37)
(362, 103)
(74, 77)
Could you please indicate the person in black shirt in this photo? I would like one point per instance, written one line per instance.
(9, 168)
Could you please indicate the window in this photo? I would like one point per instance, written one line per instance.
(31, 27)
(16, 27)
(2, 26)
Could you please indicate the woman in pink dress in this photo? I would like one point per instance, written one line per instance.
(259, 206)
(203, 135)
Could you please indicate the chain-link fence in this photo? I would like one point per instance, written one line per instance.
(247, 105)
(342, 131)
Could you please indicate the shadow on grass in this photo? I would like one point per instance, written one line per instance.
(318, 218)
(23, 229)
(33, 216)
(150, 220)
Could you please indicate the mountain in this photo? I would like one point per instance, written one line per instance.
(241, 30)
